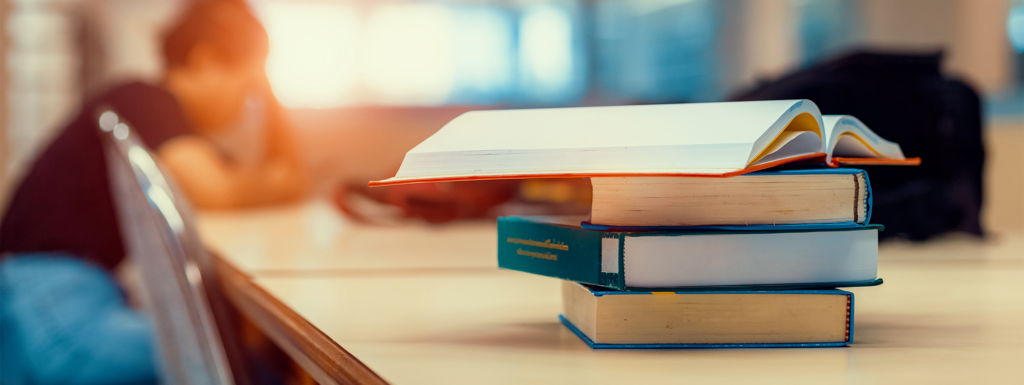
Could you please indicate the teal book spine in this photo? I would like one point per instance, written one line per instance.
(563, 252)
(559, 248)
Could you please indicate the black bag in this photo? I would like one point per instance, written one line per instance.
(905, 99)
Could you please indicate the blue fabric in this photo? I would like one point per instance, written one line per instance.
(63, 320)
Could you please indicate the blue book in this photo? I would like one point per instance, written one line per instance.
(700, 260)
(707, 319)
(810, 198)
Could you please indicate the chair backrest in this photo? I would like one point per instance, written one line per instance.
(160, 238)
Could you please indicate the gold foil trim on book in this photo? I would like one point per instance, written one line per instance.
(547, 256)
(546, 244)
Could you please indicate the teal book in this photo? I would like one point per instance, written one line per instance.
(606, 319)
(706, 260)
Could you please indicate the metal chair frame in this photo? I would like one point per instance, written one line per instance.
(160, 238)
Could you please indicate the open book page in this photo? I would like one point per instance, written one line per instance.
(848, 137)
(712, 139)
(791, 144)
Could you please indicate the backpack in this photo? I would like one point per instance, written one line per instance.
(905, 99)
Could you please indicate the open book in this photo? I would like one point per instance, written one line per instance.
(700, 139)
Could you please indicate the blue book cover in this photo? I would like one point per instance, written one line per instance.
(690, 260)
(866, 200)
(708, 319)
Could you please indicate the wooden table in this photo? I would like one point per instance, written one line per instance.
(419, 305)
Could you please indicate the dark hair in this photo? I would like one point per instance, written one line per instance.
(226, 25)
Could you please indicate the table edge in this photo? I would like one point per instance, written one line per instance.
(324, 360)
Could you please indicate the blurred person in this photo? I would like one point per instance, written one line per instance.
(219, 131)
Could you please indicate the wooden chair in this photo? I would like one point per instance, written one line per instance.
(160, 238)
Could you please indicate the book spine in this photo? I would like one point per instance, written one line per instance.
(869, 198)
(561, 252)
(849, 318)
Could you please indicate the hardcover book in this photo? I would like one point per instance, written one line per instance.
(639, 260)
(711, 319)
(816, 198)
(697, 139)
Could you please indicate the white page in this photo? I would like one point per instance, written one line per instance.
(791, 144)
(709, 138)
(744, 258)
(839, 132)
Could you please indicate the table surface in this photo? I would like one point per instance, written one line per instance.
(427, 304)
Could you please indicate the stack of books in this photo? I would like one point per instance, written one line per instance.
(697, 262)
(712, 225)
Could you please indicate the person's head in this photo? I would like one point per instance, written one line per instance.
(214, 56)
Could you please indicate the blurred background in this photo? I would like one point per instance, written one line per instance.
(367, 80)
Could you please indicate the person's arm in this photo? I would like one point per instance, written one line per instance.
(210, 181)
